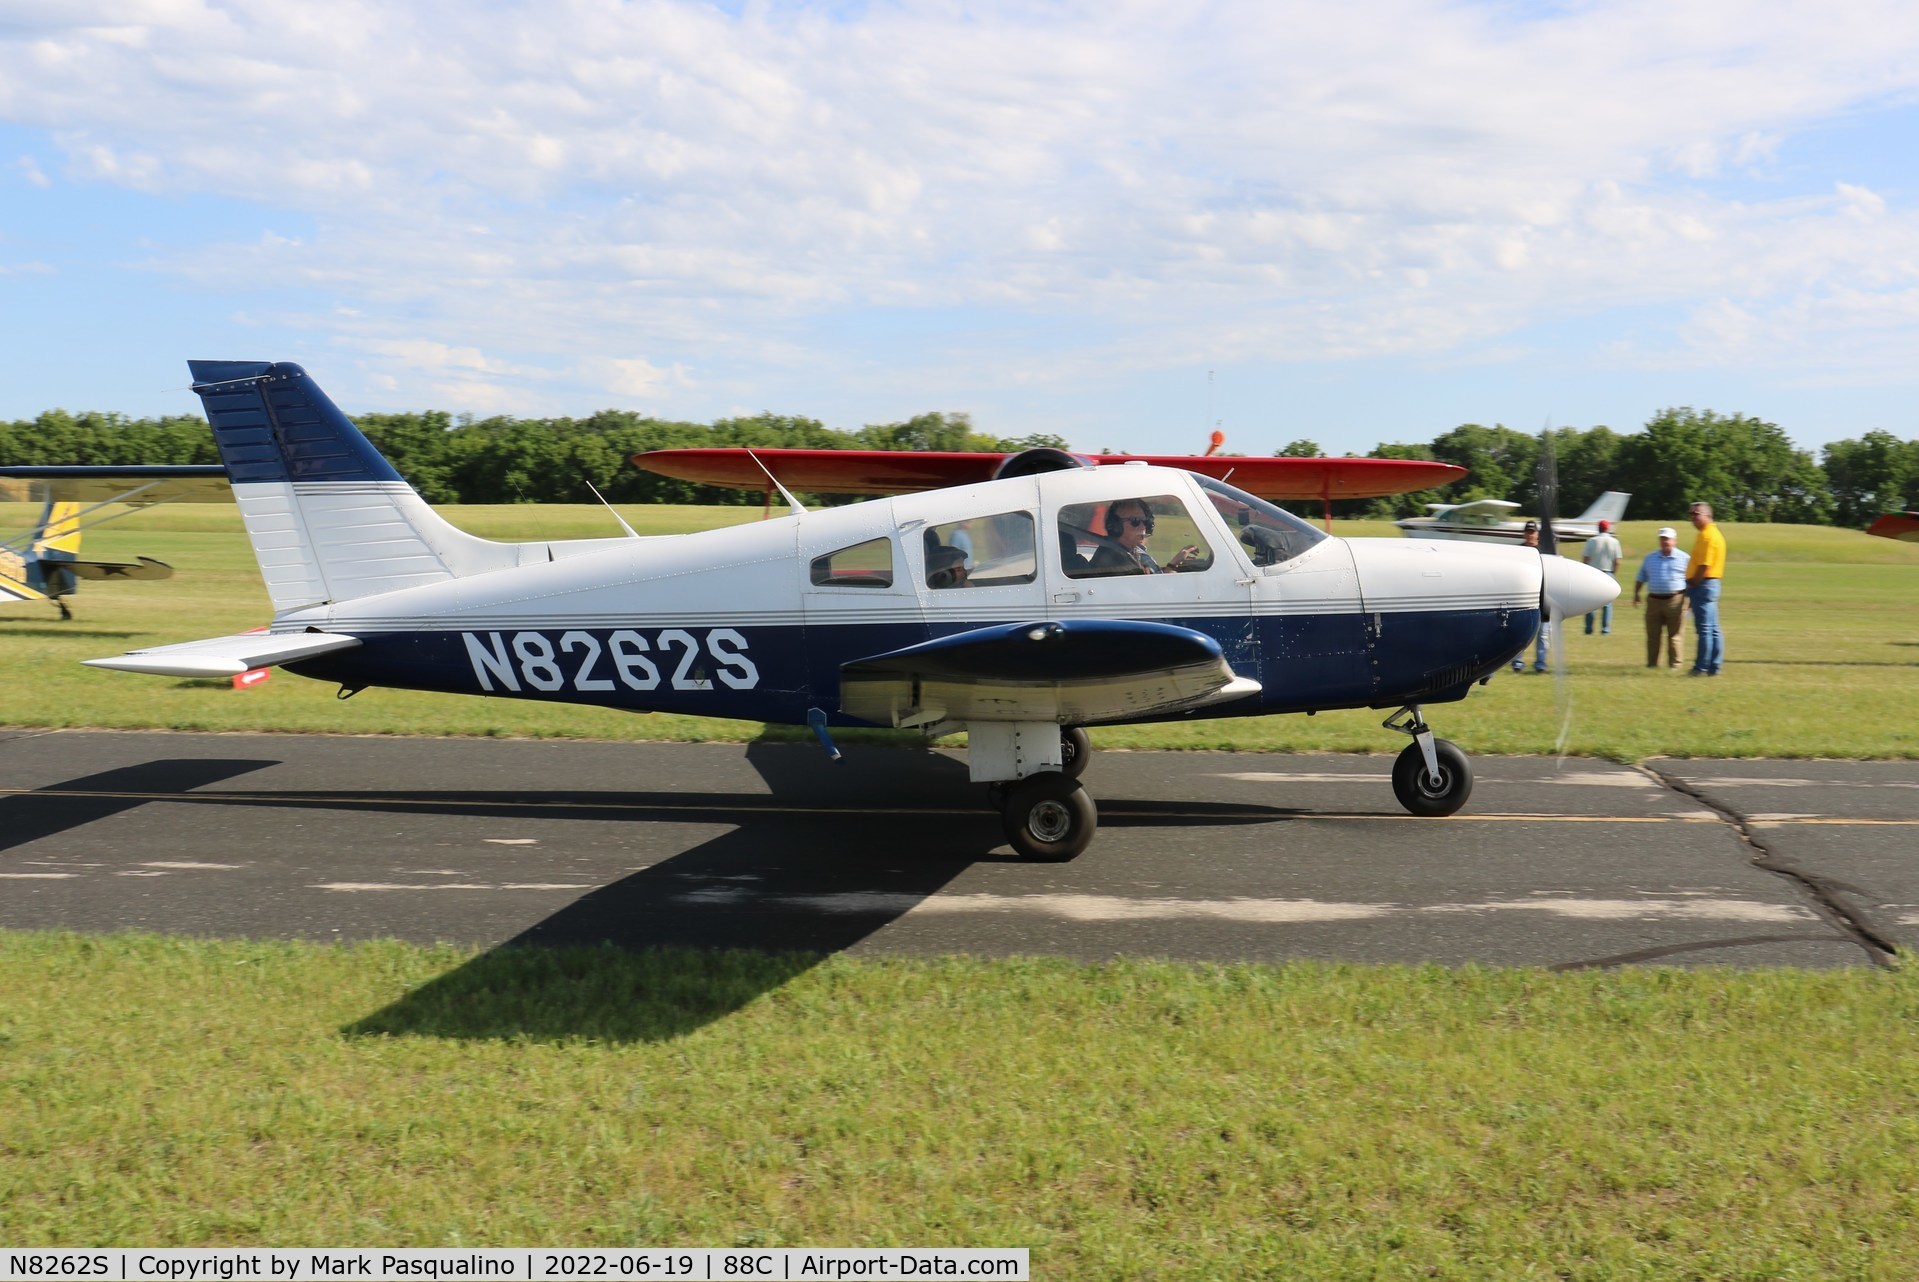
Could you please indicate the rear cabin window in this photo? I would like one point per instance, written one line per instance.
(1155, 535)
(981, 552)
(864, 565)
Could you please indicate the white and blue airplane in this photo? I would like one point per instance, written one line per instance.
(1020, 610)
(1487, 521)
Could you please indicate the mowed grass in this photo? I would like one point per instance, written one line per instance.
(1822, 627)
(1131, 1119)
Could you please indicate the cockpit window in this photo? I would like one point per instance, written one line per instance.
(1272, 535)
(1155, 535)
(864, 565)
(985, 551)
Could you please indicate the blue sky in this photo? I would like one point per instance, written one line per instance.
(1350, 222)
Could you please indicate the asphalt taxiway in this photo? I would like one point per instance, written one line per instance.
(1215, 856)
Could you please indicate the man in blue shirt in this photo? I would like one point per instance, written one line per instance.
(1662, 576)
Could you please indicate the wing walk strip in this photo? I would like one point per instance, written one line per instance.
(1223, 811)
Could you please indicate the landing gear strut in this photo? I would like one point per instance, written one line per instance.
(1032, 775)
(1431, 777)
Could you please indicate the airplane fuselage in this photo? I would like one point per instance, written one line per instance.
(1480, 530)
(732, 622)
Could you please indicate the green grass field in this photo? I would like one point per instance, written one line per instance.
(1134, 1119)
(1822, 627)
(1131, 1119)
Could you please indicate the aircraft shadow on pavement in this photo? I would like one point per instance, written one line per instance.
(673, 947)
(695, 937)
(29, 816)
(826, 857)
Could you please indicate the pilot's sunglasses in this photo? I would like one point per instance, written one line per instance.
(1138, 522)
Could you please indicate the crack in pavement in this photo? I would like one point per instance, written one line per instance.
(1825, 892)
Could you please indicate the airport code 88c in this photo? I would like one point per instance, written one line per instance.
(579, 660)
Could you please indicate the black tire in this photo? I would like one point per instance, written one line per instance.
(1048, 817)
(1075, 751)
(1418, 795)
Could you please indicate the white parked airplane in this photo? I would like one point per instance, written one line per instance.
(1485, 521)
(867, 615)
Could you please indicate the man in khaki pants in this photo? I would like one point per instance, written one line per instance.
(1662, 577)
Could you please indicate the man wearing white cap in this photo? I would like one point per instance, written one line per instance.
(1662, 576)
(1602, 553)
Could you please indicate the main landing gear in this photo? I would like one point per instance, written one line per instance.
(1032, 774)
(1431, 777)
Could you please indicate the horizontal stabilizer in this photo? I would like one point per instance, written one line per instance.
(142, 568)
(227, 656)
(1080, 672)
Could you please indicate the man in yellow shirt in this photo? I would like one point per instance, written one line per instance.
(1703, 578)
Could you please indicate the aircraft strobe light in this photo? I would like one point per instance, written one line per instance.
(1573, 588)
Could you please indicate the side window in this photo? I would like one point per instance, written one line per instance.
(1131, 536)
(864, 565)
(981, 552)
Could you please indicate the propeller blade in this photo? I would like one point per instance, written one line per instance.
(1546, 473)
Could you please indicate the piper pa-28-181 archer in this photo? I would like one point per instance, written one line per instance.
(1485, 521)
(1047, 617)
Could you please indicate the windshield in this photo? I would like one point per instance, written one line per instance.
(1271, 534)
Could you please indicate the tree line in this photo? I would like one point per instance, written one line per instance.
(1748, 469)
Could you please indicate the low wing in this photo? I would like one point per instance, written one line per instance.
(227, 656)
(1082, 672)
(904, 472)
(139, 486)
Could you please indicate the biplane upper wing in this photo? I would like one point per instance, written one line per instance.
(900, 471)
(1079, 672)
(139, 486)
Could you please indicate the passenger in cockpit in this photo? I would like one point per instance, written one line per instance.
(946, 567)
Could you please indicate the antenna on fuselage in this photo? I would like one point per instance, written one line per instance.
(631, 533)
(784, 492)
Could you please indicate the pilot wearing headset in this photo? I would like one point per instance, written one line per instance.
(1129, 523)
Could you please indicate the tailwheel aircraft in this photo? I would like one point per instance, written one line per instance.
(45, 564)
(1021, 610)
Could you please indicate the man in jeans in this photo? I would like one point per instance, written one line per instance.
(1602, 553)
(1662, 576)
(1703, 578)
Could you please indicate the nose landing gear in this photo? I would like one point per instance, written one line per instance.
(1431, 777)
